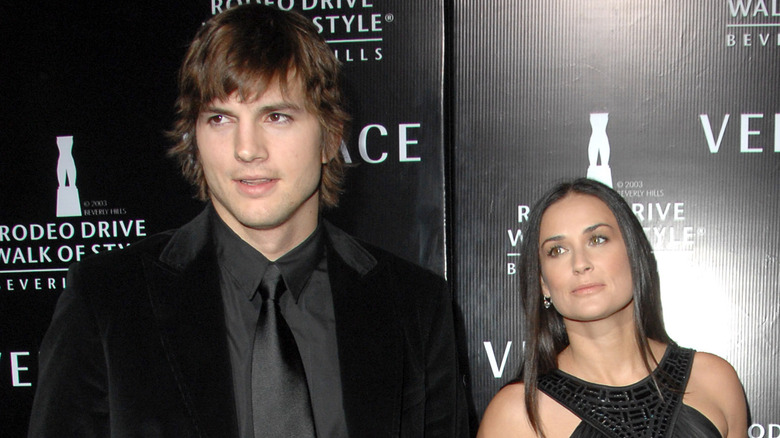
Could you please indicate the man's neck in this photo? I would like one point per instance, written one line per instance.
(277, 241)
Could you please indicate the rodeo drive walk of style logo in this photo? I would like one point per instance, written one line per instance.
(35, 255)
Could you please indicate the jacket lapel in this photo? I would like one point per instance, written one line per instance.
(369, 338)
(183, 287)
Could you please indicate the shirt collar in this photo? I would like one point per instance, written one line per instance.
(246, 265)
(299, 263)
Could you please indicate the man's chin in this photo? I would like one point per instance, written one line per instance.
(263, 223)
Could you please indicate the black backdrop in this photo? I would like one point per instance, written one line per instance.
(527, 78)
(493, 100)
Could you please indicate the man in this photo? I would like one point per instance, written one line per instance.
(174, 335)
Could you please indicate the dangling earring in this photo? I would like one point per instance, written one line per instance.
(547, 302)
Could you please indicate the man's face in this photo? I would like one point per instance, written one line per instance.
(262, 161)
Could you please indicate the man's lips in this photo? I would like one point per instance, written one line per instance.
(255, 181)
(255, 185)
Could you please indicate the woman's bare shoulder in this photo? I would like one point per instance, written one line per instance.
(715, 390)
(505, 416)
(709, 365)
(715, 376)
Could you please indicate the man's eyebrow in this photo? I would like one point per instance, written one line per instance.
(282, 105)
(216, 110)
(269, 108)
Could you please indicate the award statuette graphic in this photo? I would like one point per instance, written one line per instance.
(598, 147)
(68, 202)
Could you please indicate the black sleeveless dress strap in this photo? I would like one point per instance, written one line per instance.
(638, 410)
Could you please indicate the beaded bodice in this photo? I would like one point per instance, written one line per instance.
(638, 410)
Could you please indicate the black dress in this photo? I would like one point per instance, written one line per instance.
(637, 410)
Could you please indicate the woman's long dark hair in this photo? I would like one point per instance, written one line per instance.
(544, 332)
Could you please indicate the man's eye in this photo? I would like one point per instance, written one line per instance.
(278, 118)
(217, 119)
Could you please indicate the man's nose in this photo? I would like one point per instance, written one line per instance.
(250, 143)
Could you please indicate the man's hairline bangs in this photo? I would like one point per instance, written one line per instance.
(251, 85)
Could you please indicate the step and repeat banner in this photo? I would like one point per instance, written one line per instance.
(88, 90)
(482, 105)
(674, 104)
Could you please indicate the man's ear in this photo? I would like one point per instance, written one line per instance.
(325, 155)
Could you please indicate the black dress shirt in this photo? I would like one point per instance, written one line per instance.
(307, 306)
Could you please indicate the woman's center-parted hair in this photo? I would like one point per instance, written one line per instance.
(243, 50)
(544, 332)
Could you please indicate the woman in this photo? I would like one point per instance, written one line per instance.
(598, 361)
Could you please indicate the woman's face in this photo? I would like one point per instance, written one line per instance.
(585, 267)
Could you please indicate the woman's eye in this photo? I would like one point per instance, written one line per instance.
(598, 240)
(555, 251)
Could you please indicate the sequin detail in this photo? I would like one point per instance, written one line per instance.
(631, 411)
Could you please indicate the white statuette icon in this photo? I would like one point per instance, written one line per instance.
(68, 202)
(598, 147)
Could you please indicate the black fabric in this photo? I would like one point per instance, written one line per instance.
(307, 309)
(637, 410)
(138, 346)
(241, 267)
(690, 424)
(277, 370)
(313, 323)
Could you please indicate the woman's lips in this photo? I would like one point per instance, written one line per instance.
(587, 288)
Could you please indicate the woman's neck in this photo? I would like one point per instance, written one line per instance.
(606, 354)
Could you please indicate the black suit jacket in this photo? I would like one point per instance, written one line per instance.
(137, 345)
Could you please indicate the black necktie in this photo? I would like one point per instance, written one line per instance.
(280, 397)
